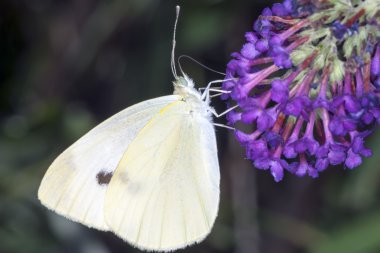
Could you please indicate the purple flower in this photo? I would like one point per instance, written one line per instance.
(281, 57)
(339, 30)
(311, 103)
(289, 150)
(276, 167)
(370, 104)
(341, 125)
(249, 51)
(353, 160)
(257, 149)
(246, 138)
(233, 117)
(320, 102)
(273, 139)
(304, 168)
(262, 45)
(280, 91)
(264, 118)
(251, 37)
(321, 164)
(262, 26)
(375, 66)
(358, 144)
(306, 144)
(280, 10)
(349, 102)
(299, 106)
(337, 154)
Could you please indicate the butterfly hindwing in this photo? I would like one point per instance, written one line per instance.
(164, 194)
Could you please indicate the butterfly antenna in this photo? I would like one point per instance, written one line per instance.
(197, 62)
(174, 71)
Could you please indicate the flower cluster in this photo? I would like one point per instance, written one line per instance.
(307, 81)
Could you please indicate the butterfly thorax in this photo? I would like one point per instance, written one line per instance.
(184, 87)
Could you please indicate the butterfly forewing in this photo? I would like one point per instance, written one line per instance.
(76, 182)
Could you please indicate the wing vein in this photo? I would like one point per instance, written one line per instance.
(153, 188)
(126, 192)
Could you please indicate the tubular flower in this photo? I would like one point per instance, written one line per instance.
(307, 81)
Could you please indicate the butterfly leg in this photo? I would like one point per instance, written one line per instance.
(206, 96)
(222, 114)
(206, 93)
(224, 126)
(219, 93)
(225, 112)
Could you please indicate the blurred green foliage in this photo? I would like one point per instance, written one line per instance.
(67, 65)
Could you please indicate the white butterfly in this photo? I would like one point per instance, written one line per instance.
(150, 173)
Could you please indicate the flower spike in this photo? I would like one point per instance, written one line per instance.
(307, 81)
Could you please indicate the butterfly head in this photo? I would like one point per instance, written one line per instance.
(184, 86)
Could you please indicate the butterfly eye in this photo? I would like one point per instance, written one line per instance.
(103, 177)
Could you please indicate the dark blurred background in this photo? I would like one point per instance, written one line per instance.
(65, 66)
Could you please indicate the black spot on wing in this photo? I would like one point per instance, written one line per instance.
(103, 177)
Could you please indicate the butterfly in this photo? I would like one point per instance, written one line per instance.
(150, 173)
